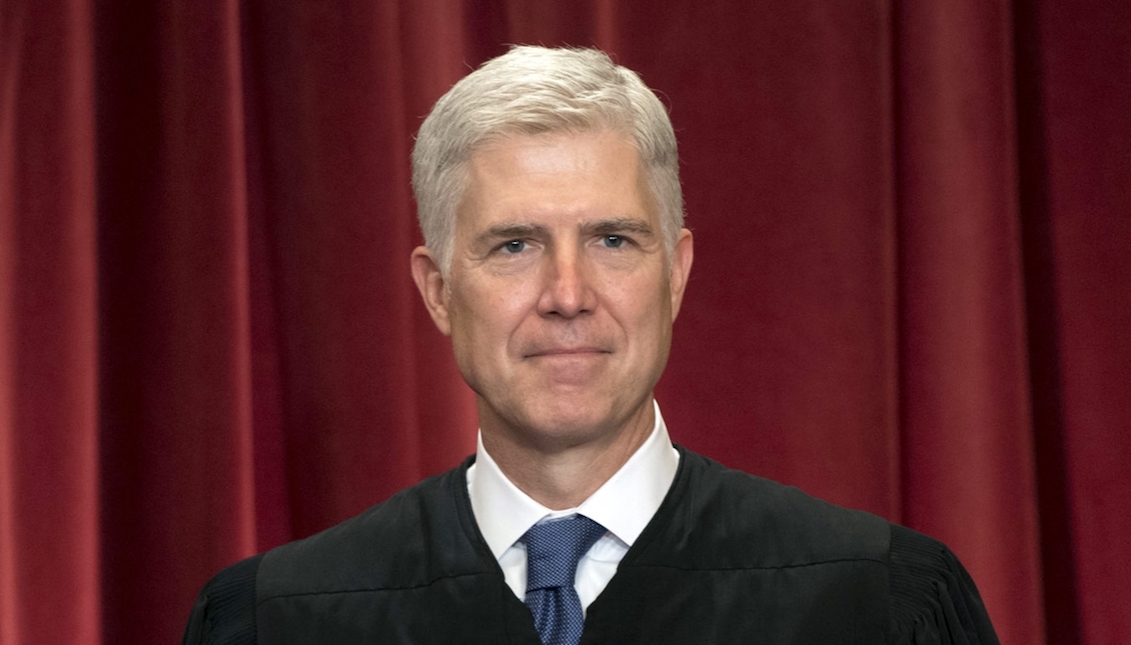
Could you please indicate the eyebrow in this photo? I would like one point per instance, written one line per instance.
(619, 225)
(506, 231)
(515, 230)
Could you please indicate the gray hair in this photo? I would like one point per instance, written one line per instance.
(535, 90)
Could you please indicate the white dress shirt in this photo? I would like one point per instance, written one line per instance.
(624, 505)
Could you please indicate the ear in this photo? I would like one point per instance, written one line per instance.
(430, 281)
(682, 256)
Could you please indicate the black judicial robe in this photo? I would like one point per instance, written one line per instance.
(728, 558)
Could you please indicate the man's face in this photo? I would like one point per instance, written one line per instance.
(560, 298)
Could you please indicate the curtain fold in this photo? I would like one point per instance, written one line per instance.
(911, 224)
(49, 435)
(1082, 61)
(968, 469)
(174, 327)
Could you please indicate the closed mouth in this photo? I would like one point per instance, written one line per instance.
(566, 351)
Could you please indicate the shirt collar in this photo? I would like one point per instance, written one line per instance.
(624, 504)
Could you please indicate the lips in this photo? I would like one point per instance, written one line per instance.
(564, 351)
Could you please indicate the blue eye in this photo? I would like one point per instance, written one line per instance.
(515, 246)
(613, 241)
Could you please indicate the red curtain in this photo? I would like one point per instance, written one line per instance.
(912, 222)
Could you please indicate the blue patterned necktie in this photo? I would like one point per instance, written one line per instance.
(552, 551)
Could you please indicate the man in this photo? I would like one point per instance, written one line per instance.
(556, 260)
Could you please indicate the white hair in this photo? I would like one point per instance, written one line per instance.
(536, 90)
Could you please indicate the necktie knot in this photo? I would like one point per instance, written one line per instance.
(554, 548)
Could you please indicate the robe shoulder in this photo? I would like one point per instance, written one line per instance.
(416, 537)
(407, 541)
(719, 518)
(732, 520)
(933, 598)
(224, 612)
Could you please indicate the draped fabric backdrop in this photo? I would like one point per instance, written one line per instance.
(913, 264)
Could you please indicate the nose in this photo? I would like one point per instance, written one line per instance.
(567, 289)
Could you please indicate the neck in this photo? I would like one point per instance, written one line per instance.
(561, 473)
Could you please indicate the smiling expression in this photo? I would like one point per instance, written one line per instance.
(561, 295)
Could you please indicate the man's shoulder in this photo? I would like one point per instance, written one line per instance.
(733, 519)
(419, 534)
(225, 608)
(724, 512)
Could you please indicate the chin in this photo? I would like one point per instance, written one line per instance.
(572, 422)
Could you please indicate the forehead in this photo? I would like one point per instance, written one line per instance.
(530, 176)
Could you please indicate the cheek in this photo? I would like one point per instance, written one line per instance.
(484, 318)
(640, 304)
